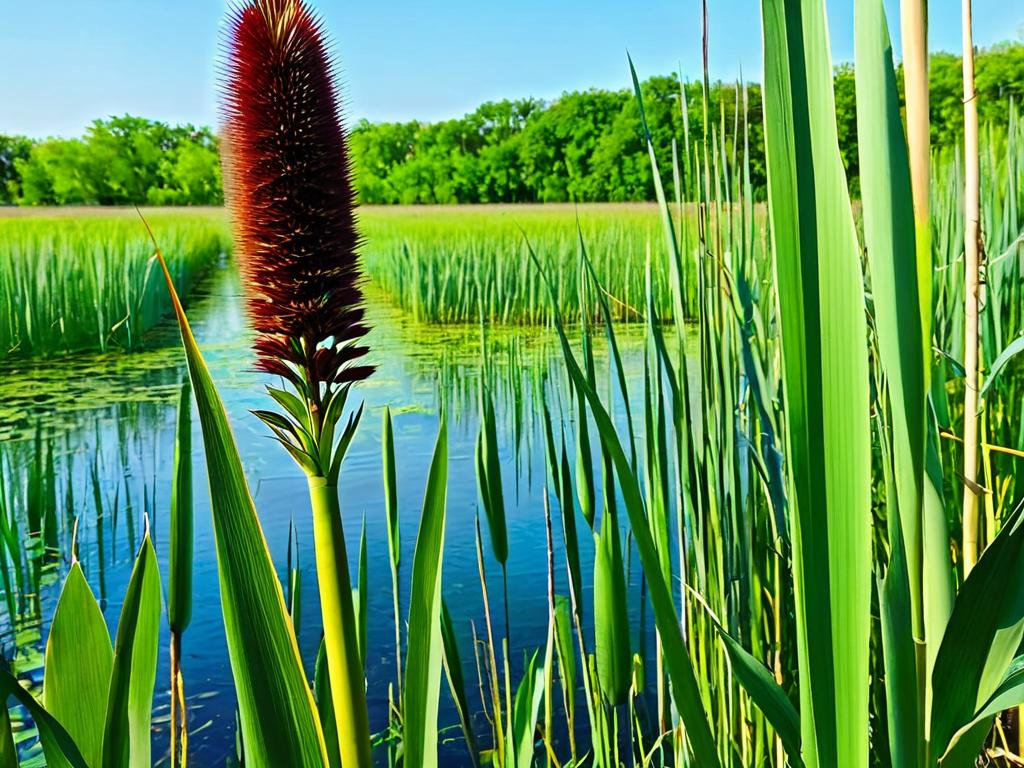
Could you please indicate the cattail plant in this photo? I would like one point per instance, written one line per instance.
(292, 203)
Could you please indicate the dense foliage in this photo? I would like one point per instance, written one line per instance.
(119, 161)
(585, 146)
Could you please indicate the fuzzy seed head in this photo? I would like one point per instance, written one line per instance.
(289, 190)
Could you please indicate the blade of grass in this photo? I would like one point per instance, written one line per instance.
(179, 591)
(126, 733)
(425, 650)
(456, 681)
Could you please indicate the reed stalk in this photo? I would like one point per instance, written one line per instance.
(972, 291)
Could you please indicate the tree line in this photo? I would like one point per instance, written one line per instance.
(584, 146)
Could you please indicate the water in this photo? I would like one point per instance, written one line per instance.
(113, 416)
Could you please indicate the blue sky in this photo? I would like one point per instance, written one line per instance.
(65, 62)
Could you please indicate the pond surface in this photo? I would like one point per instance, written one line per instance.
(109, 422)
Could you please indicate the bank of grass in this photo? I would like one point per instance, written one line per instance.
(82, 279)
(445, 264)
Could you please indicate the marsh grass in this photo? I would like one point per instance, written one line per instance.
(86, 282)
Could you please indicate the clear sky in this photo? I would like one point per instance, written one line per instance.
(65, 62)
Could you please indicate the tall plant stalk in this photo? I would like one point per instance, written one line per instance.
(914, 28)
(179, 589)
(972, 288)
(293, 207)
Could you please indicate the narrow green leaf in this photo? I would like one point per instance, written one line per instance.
(491, 467)
(456, 681)
(566, 652)
(901, 689)
(8, 752)
(325, 705)
(391, 491)
(611, 616)
(584, 466)
(360, 598)
(425, 648)
(525, 712)
(1010, 351)
(765, 692)
(569, 533)
(179, 590)
(126, 734)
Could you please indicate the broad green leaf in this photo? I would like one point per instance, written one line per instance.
(963, 749)
(425, 648)
(58, 746)
(79, 659)
(825, 376)
(982, 637)
(279, 721)
(890, 241)
(126, 735)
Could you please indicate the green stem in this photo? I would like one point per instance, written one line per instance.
(348, 690)
(398, 634)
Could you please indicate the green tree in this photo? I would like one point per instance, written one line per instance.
(12, 149)
(584, 146)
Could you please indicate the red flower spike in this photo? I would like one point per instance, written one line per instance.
(289, 189)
